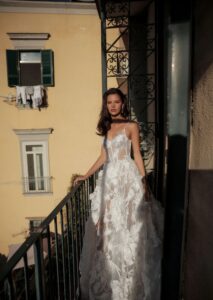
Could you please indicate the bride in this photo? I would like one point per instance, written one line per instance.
(121, 255)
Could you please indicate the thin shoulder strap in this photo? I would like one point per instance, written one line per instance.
(124, 129)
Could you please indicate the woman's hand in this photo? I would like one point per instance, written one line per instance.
(78, 179)
(147, 191)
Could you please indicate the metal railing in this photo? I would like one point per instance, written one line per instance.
(46, 266)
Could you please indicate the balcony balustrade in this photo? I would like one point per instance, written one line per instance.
(46, 265)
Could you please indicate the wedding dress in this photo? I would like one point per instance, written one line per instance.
(121, 255)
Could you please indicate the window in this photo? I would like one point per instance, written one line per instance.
(34, 223)
(36, 175)
(30, 67)
(35, 161)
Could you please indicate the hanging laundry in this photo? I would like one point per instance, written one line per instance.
(34, 94)
(29, 92)
(37, 95)
(21, 94)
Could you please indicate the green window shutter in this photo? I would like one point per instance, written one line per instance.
(47, 67)
(13, 74)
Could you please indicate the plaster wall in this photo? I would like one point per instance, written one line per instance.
(201, 154)
(74, 104)
(198, 266)
(201, 147)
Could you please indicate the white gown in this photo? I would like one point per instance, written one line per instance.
(121, 258)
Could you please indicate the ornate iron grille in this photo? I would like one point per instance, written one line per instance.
(129, 53)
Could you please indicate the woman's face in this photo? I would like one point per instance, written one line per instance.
(114, 105)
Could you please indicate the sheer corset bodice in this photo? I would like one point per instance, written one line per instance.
(118, 148)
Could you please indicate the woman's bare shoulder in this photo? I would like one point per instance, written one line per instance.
(133, 125)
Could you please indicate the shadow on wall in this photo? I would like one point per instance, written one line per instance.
(203, 42)
(199, 244)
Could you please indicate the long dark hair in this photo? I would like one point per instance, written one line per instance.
(105, 120)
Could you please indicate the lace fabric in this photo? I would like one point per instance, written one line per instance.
(121, 255)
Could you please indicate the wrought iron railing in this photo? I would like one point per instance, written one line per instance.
(46, 266)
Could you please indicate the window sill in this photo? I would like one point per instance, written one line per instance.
(32, 194)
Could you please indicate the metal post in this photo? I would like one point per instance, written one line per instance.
(57, 256)
(64, 255)
(39, 269)
(178, 87)
(9, 286)
(26, 277)
(103, 48)
(160, 102)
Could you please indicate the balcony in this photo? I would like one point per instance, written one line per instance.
(46, 265)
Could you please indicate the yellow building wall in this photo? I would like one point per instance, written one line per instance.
(74, 105)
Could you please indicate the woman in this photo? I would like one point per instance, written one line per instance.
(121, 254)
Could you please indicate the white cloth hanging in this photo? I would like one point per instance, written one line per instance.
(25, 93)
(37, 95)
(21, 94)
(29, 90)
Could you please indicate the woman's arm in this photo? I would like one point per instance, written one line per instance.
(134, 135)
(99, 162)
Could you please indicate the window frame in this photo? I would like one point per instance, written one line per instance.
(32, 228)
(45, 163)
(35, 137)
(13, 59)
